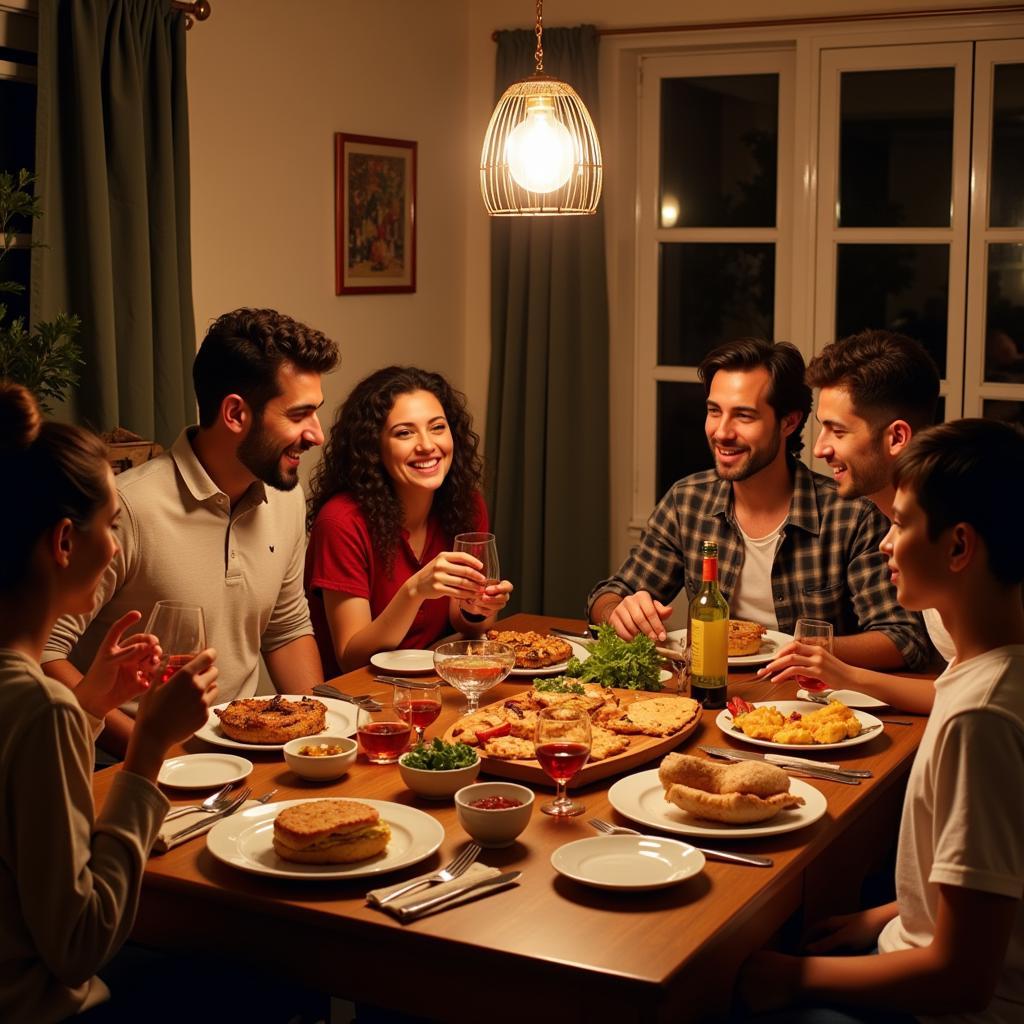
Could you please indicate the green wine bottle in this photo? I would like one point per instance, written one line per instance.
(709, 636)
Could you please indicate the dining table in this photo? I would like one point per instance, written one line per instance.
(548, 947)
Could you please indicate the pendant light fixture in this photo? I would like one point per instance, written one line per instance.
(541, 154)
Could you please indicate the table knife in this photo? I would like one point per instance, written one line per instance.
(208, 821)
(415, 909)
(850, 777)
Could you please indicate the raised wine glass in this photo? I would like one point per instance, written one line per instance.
(419, 704)
(818, 633)
(562, 743)
(484, 547)
(473, 667)
(181, 631)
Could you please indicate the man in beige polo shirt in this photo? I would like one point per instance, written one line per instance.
(218, 520)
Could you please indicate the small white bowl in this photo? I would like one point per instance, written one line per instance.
(437, 785)
(331, 766)
(499, 827)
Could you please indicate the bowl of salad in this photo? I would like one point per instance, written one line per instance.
(437, 770)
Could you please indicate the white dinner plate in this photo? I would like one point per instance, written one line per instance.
(341, 721)
(203, 771)
(851, 698)
(641, 798)
(771, 643)
(578, 651)
(408, 661)
(246, 841)
(805, 707)
(628, 862)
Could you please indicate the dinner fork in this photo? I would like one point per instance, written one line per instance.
(732, 858)
(326, 690)
(216, 802)
(223, 813)
(447, 874)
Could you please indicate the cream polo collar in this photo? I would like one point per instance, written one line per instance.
(197, 480)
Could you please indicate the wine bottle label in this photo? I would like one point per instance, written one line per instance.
(709, 648)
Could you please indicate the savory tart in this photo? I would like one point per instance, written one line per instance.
(744, 637)
(533, 650)
(273, 720)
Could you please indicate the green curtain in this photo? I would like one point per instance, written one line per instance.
(113, 165)
(547, 410)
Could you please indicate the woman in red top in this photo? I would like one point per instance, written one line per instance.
(399, 479)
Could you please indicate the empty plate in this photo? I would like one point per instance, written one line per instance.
(203, 771)
(628, 862)
(404, 661)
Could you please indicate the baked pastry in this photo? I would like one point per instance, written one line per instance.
(533, 650)
(744, 637)
(658, 716)
(737, 794)
(272, 720)
(330, 832)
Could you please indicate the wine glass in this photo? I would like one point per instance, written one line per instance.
(382, 730)
(181, 630)
(819, 634)
(562, 743)
(419, 704)
(484, 547)
(473, 667)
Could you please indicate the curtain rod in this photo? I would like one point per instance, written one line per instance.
(199, 10)
(829, 19)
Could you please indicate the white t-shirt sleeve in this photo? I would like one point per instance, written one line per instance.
(978, 840)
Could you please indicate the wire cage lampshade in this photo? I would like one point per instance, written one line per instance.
(541, 153)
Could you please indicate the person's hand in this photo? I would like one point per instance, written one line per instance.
(490, 600)
(848, 933)
(120, 671)
(171, 712)
(640, 613)
(799, 659)
(451, 574)
(768, 981)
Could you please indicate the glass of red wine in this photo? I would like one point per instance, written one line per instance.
(181, 630)
(419, 704)
(383, 733)
(818, 633)
(473, 667)
(562, 743)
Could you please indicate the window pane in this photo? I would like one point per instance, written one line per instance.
(1001, 409)
(18, 135)
(719, 147)
(682, 448)
(709, 293)
(1006, 205)
(896, 148)
(1004, 315)
(15, 268)
(899, 287)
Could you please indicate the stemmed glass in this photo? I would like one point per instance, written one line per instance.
(419, 704)
(562, 743)
(819, 634)
(484, 547)
(473, 667)
(181, 630)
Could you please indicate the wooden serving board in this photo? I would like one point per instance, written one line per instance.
(641, 749)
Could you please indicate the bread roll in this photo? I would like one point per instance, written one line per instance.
(330, 832)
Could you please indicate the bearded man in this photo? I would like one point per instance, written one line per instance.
(217, 520)
(788, 546)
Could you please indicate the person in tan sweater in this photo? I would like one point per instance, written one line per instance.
(69, 877)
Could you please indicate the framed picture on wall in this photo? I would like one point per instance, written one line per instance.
(375, 215)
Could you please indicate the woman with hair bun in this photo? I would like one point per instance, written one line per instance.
(70, 878)
(399, 479)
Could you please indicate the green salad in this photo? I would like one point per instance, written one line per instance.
(439, 756)
(628, 665)
(559, 685)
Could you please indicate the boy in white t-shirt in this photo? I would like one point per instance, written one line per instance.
(952, 944)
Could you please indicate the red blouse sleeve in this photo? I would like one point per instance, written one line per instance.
(340, 555)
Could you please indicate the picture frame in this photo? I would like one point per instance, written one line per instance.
(375, 214)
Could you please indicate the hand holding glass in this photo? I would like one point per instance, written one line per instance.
(818, 634)
(562, 743)
(484, 547)
(419, 704)
(181, 631)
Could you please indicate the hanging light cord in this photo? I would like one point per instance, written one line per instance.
(538, 31)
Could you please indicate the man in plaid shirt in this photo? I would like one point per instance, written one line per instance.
(788, 546)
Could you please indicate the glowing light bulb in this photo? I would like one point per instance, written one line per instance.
(669, 211)
(539, 150)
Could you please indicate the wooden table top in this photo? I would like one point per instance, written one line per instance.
(643, 956)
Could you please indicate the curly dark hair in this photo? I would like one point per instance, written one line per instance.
(351, 462)
(244, 349)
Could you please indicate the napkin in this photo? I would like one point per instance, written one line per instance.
(168, 829)
(474, 873)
